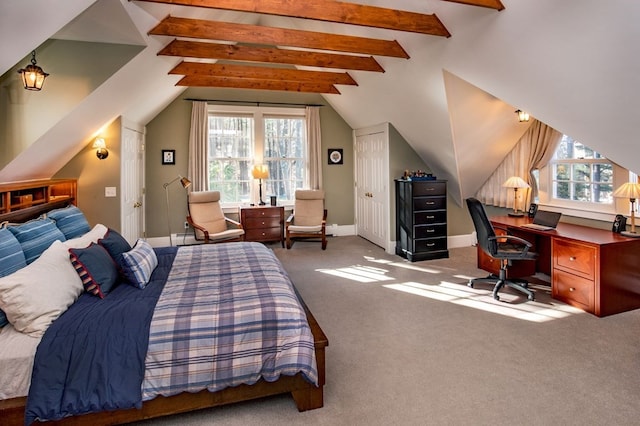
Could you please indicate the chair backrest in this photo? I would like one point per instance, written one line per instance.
(309, 207)
(484, 229)
(206, 211)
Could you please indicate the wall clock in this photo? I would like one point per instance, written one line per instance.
(335, 155)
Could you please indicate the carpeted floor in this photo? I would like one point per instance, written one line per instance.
(411, 344)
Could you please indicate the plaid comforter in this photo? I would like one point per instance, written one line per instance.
(228, 315)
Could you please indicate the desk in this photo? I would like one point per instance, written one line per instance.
(593, 269)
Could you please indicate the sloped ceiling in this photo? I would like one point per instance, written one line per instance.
(571, 64)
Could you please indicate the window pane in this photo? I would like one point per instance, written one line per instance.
(581, 172)
(285, 149)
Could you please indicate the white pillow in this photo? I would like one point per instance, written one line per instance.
(34, 296)
(85, 240)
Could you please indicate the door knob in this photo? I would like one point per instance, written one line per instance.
(137, 204)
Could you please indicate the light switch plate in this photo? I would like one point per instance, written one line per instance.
(110, 191)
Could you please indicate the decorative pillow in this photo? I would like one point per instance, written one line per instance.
(115, 244)
(96, 269)
(92, 236)
(70, 220)
(36, 236)
(11, 259)
(138, 264)
(34, 296)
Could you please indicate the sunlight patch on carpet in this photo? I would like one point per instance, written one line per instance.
(360, 273)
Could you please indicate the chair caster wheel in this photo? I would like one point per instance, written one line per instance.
(470, 284)
(530, 297)
(496, 297)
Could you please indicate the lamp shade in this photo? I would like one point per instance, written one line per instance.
(99, 143)
(628, 190)
(260, 171)
(515, 182)
(185, 182)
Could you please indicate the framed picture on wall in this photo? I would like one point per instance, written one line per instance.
(335, 155)
(168, 156)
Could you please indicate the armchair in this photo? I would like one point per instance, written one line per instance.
(308, 219)
(208, 221)
(505, 248)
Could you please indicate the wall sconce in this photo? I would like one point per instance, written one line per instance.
(260, 171)
(32, 75)
(522, 116)
(101, 148)
(632, 192)
(515, 182)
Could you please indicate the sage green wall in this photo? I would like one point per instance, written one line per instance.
(170, 130)
(94, 175)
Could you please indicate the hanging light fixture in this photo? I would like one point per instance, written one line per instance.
(32, 75)
(522, 116)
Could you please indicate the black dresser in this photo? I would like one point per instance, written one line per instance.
(421, 219)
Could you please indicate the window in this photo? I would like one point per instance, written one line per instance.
(240, 137)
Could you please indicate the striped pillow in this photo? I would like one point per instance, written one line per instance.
(70, 220)
(11, 259)
(138, 264)
(36, 236)
(96, 269)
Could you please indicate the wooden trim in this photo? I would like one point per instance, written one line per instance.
(250, 83)
(274, 55)
(491, 4)
(263, 73)
(330, 11)
(227, 31)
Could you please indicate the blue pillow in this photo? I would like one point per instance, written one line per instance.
(11, 259)
(96, 269)
(70, 220)
(115, 244)
(36, 236)
(138, 264)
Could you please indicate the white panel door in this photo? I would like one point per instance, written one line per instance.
(132, 184)
(372, 188)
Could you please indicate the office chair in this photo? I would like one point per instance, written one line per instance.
(504, 248)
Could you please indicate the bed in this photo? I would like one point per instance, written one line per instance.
(205, 343)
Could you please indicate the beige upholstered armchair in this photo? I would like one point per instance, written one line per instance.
(208, 221)
(308, 219)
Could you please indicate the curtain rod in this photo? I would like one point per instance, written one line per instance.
(256, 103)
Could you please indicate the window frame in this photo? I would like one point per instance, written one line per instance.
(259, 114)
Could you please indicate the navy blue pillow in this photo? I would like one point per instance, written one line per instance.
(70, 220)
(36, 236)
(96, 268)
(11, 259)
(115, 244)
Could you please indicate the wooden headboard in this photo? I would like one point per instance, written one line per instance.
(22, 201)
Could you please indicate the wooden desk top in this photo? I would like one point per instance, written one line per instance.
(567, 231)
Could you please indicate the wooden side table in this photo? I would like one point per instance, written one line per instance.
(263, 223)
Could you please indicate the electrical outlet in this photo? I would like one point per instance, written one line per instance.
(186, 225)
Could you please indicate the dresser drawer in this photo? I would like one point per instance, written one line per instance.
(261, 222)
(266, 234)
(430, 231)
(573, 257)
(426, 188)
(574, 290)
(429, 203)
(262, 212)
(431, 244)
(426, 218)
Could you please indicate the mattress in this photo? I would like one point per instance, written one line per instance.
(17, 351)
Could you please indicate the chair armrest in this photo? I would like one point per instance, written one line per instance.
(196, 226)
(234, 222)
(513, 239)
(290, 218)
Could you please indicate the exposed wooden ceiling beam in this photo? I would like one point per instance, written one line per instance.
(263, 73)
(193, 49)
(492, 4)
(227, 31)
(245, 83)
(330, 11)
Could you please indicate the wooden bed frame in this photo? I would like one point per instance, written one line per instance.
(305, 395)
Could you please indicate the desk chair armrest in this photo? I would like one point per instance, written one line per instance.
(526, 245)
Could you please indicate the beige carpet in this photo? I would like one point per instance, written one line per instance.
(411, 344)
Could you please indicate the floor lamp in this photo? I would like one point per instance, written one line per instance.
(515, 182)
(185, 184)
(260, 171)
(632, 192)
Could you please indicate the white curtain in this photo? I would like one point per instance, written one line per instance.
(199, 147)
(314, 142)
(534, 149)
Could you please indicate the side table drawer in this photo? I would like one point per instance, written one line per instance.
(573, 290)
(575, 258)
(264, 234)
(261, 222)
(261, 212)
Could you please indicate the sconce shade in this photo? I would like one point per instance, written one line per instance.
(32, 75)
(260, 171)
(515, 182)
(522, 116)
(101, 148)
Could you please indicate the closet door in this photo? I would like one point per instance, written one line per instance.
(132, 183)
(372, 185)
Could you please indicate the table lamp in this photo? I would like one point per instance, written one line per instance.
(515, 182)
(631, 191)
(260, 171)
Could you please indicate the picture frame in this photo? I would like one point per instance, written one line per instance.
(168, 156)
(335, 156)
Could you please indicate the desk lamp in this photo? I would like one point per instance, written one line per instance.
(515, 182)
(631, 191)
(185, 182)
(260, 171)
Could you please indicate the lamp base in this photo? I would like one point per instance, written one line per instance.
(630, 234)
(514, 214)
(262, 203)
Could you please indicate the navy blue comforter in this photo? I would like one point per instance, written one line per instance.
(92, 357)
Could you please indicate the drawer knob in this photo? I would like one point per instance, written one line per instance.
(431, 217)
(263, 234)
(431, 230)
(572, 289)
(431, 244)
(572, 258)
(430, 203)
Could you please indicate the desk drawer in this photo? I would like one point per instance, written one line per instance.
(261, 222)
(573, 257)
(574, 290)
